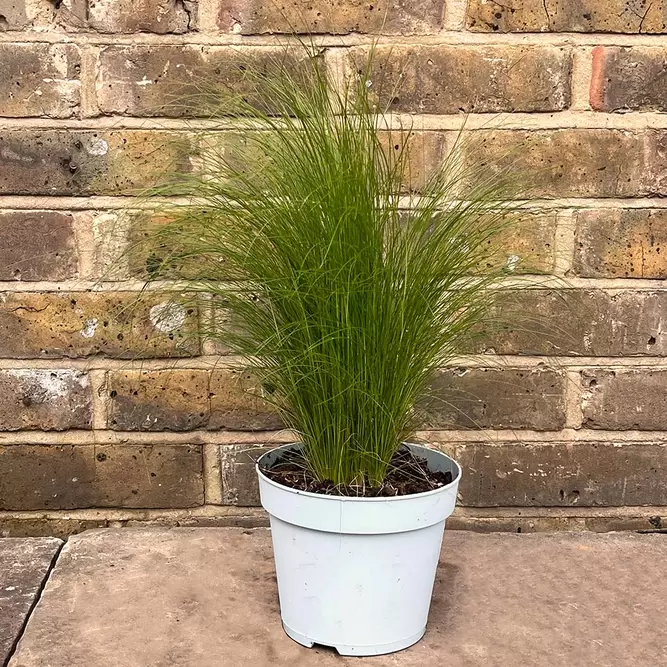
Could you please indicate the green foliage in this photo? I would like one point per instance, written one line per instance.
(341, 288)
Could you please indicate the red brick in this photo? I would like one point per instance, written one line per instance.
(80, 324)
(482, 398)
(39, 80)
(634, 16)
(580, 474)
(621, 243)
(451, 79)
(627, 78)
(390, 17)
(47, 400)
(42, 477)
(37, 245)
(622, 400)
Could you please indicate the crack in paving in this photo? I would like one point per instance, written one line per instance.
(35, 602)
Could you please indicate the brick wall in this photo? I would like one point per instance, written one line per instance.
(111, 415)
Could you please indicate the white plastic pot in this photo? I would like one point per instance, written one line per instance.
(357, 574)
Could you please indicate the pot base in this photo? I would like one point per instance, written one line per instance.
(380, 649)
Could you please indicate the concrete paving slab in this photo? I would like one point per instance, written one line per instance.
(24, 564)
(206, 597)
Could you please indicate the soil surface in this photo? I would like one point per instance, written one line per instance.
(408, 474)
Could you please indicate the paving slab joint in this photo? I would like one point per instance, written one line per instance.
(34, 604)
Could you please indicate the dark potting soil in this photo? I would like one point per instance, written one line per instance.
(408, 474)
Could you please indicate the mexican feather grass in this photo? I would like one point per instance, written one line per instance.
(341, 286)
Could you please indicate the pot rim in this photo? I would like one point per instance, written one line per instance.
(324, 496)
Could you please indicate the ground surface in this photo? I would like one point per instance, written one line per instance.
(206, 598)
(24, 565)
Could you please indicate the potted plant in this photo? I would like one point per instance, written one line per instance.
(343, 282)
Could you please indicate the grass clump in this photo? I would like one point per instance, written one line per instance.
(343, 289)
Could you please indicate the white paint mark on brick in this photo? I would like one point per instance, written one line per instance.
(512, 262)
(90, 327)
(49, 385)
(11, 155)
(97, 147)
(166, 317)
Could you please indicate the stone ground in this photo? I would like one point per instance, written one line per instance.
(205, 597)
(24, 567)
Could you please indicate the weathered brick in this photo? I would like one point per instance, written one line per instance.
(425, 152)
(239, 478)
(13, 15)
(109, 254)
(187, 80)
(34, 477)
(576, 322)
(64, 162)
(146, 253)
(64, 524)
(47, 400)
(525, 521)
(629, 16)
(106, 16)
(514, 475)
(474, 398)
(80, 324)
(622, 400)
(557, 474)
(184, 400)
(157, 16)
(154, 80)
(39, 80)
(45, 525)
(37, 245)
(126, 246)
(169, 400)
(526, 246)
(629, 79)
(621, 243)
(575, 162)
(450, 79)
(69, 15)
(236, 403)
(402, 17)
